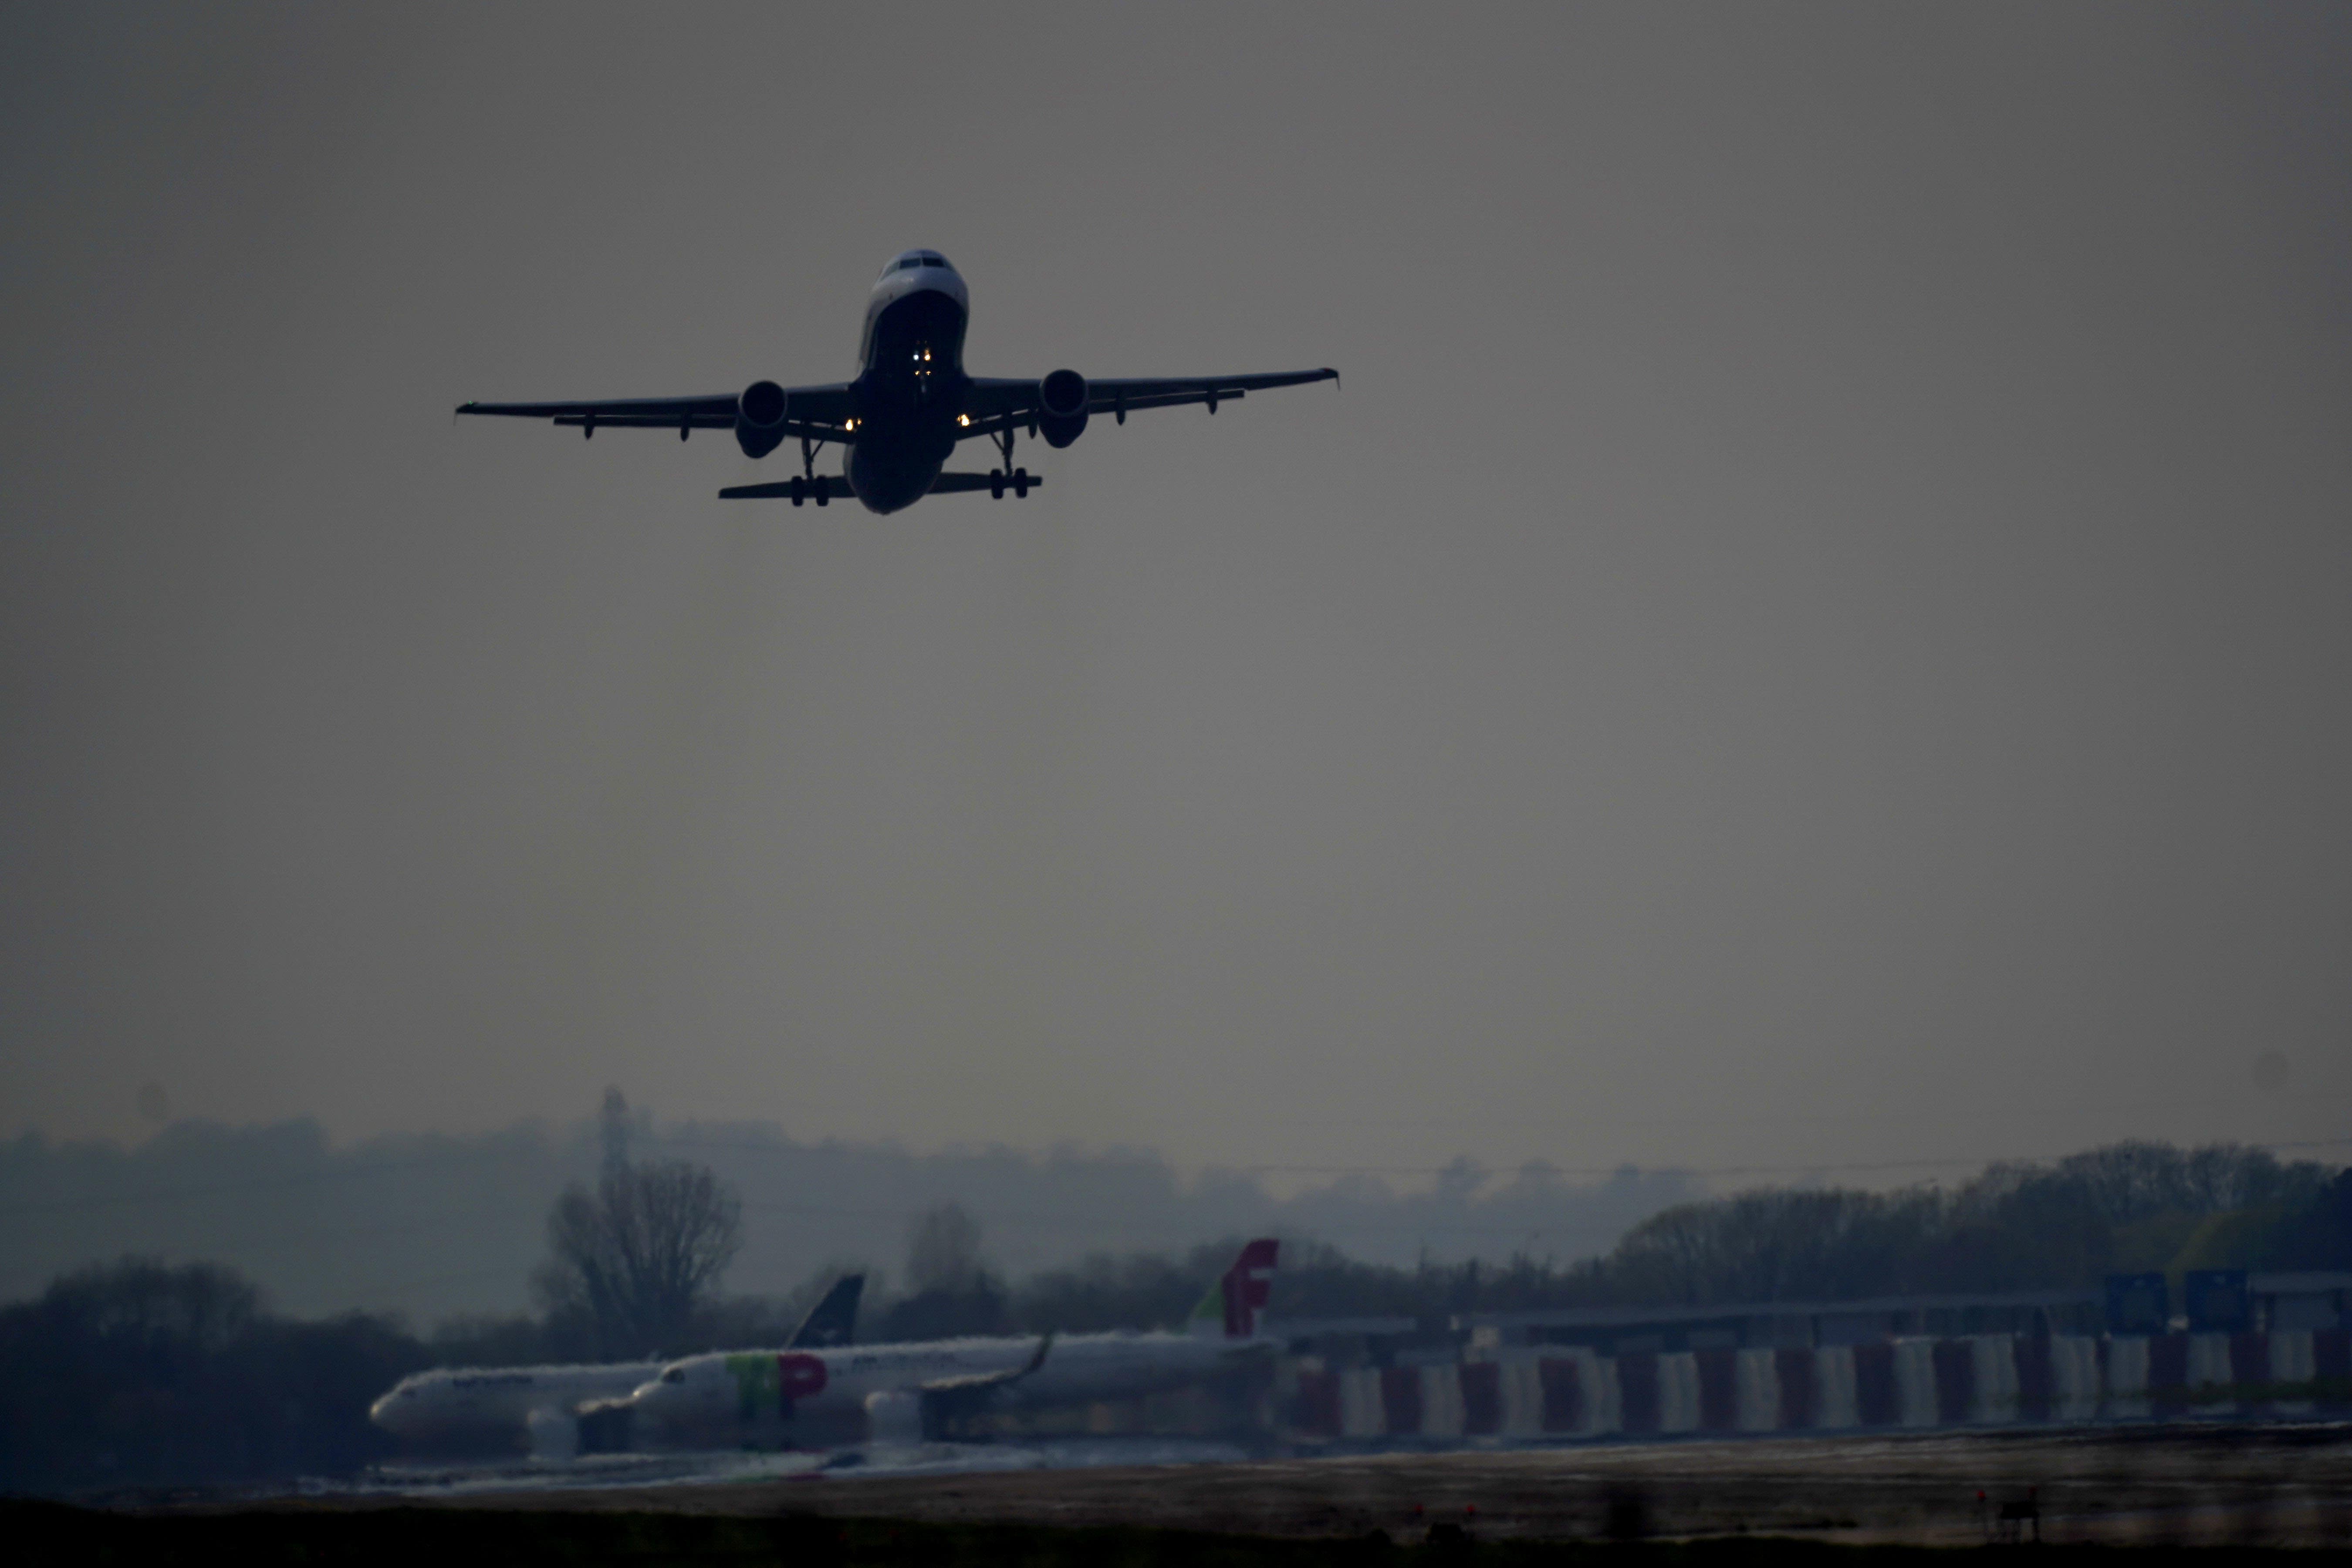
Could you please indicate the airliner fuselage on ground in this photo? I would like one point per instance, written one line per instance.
(900, 420)
(498, 1406)
(822, 1397)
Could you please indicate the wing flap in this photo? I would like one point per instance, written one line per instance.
(809, 409)
(648, 422)
(996, 403)
(658, 411)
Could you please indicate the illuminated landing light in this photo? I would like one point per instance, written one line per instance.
(963, 418)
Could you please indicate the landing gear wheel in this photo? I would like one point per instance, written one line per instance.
(823, 495)
(799, 492)
(1021, 483)
(996, 484)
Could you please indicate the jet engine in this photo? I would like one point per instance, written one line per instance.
(895, 1416)
(759, 418)
(1062, 407)
(554, 1434)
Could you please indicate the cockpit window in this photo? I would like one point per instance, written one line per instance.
(933, 258)
(674, 1374)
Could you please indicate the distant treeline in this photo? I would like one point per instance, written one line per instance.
(2127, 1207)
(137, 1375)
(438, 1223)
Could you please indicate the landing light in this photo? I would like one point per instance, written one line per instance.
(963, 418)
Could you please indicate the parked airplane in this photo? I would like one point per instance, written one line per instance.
(495, 1407)
(905, 1392)
(911, 403)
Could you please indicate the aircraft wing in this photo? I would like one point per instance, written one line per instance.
(998, 402)
(981, 1383)
(817, 412)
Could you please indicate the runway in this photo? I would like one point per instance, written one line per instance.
(2186, 1484)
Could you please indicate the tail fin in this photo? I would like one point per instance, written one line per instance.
(1241, 1294)
(832, 1321)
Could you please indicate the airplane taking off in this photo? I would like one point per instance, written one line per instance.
(911, 403)
(925, 1391)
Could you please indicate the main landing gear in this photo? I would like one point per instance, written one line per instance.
(1008, 475)
(809, 484)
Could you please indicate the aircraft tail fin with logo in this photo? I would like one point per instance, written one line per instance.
(834, 1320)
(1232, 1305)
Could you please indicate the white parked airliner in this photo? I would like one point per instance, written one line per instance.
(911, 403)
(905, 1392)
(470, 1407)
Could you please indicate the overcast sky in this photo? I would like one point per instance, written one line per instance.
(1814, 631)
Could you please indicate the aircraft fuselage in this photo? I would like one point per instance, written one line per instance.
(911, 385)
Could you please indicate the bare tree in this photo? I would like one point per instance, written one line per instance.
(943, 1250)
(952, 1292)
(636, 1256)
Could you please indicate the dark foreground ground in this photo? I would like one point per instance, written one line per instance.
(45, 1533)
(1849, 1500)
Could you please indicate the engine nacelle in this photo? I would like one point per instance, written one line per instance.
(1062, 407)
(603, 1427)
(759, 418)
(895, 1416)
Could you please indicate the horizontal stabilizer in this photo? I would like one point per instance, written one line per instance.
(949, 484)
(834, 486)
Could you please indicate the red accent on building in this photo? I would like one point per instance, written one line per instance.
(1955, 1380)
(1873, 1385)
(2331, 1358)
(1719, 1389)
(1798, 1393)
(1319, 1403)
(1400, 1398)
(1637, 1381)
(1563, 1395)
(2037, 1378)
(2167, 1372)
(1482, 1398)
(2250, 1360)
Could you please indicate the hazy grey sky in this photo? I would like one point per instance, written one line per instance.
(1816, 629)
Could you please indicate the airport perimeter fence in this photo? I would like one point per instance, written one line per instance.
(1907, 1381)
